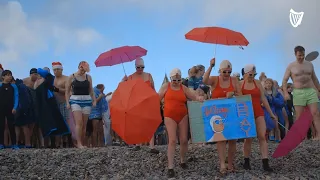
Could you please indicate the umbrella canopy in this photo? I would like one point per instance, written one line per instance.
(295, 136)
(217, 35)
(120, 55)
(312, 56)
(135, 111)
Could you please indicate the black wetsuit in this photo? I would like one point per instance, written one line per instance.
(7, 102)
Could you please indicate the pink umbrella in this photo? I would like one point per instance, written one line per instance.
(120, 55)
(295, 136)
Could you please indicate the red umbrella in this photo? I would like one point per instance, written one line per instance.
(217, 35)
(295, 136)
(120, 55)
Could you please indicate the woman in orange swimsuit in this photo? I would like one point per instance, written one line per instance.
(176, 116)
(253, 87)
(147, 77)
(223, 86)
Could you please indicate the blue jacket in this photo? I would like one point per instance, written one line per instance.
(49, 80)
(276, 104)
(16, 96)
(279, 105)
(96, 111)
(194, 82)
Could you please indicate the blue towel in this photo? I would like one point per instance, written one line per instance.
(45, 74)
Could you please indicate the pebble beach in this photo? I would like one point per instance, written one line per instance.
(119, 163)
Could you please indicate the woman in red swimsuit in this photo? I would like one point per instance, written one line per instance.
(176, 116)
(223, 86)
(253, 87)
(147, 77)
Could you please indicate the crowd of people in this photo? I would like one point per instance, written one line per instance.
(71, 112)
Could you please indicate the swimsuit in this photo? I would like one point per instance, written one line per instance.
(256, 99)
(81, 100)
(219, 92)
(175, 104)
(148, 82)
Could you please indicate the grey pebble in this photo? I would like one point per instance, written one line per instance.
(122, 163)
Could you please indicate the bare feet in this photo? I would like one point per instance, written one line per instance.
(80, 146)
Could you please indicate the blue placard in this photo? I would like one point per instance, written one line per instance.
(222, 119)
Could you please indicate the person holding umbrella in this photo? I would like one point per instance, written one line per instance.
(147, 77)
(223, 86)
(175, 97)
(81, 99)
(253, 87)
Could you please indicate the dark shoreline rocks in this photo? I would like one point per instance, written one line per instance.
(124, 163)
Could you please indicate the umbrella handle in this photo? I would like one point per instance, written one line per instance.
(283, 126)
(215, 51)
(123, 69)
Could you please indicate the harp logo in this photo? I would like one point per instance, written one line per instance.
(295, 18)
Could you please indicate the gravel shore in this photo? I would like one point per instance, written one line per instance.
(124, 163)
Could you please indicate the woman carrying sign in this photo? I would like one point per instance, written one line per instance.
(253, 87)
(176, 116)
(223, 86)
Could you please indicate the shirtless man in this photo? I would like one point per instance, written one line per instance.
(306, 87)
(29, 81)
(59, 92)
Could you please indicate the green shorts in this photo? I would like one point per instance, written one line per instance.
(305, 96)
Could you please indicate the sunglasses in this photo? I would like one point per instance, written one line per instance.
(176, 80)
(140, 67)
(226, 72)
(252, 75)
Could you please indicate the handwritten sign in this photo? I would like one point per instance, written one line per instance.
(222, 119)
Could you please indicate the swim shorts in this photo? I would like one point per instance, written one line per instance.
(64, 111)
(305, 96)
(81, 103)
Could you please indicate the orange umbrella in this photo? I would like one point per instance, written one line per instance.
(217, 35)
(135, 111)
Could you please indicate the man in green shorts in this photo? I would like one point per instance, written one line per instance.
(306, 87)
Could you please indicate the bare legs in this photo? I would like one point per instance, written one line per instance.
(95, 129)
(26, 133)
(286, 119)
(81, 124)
(316, 120)
(172, 127)
(261, 130)
(221, 147)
